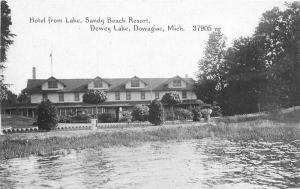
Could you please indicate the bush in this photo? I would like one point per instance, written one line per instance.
(169, 116)
(94, 97)
(107, 118)
(171, 98)
(216, 110)
(183, 114)
(80, 118)
(179, 114)
(156, 113)
(140, 113)
(47, 117)
(196, 114)
(64, 119)
(126, 117)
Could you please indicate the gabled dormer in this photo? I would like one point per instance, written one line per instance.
(135, 83)
(176, 82)
(53, 84)
(98, 83)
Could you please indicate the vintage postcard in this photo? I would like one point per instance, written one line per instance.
(150, 94)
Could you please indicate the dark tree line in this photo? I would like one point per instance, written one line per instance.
(261, 72)
(6, 41)
(7, 98)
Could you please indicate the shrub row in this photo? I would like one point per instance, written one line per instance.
(48, 119)
(139, 113)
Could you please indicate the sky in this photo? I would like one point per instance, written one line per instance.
(78, 52)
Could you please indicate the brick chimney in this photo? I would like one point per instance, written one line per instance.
(33, 73)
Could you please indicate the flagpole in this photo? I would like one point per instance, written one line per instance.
(51, 64)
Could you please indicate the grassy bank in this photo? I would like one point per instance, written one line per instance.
(50, 143)
(289, 115)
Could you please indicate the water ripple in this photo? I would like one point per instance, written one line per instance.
(205, 163)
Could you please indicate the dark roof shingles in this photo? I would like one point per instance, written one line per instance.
(116, 84)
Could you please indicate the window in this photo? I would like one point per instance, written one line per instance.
(76, 96)
(61, 97)
(117, 95)
(128, 96)
(45, 96)
(52, 84)
(183, 94)
(98, 84)
(156, 94)
(135, 83)
(143, 95)
(177, 83)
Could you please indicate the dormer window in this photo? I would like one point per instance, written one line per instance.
(52, 84)
(135, 83)
(177, 83)
(98, 84)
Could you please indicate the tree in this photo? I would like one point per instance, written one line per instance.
(47, 116)
(244, 77)
(156, 113)
(171, 99)
(94, 97)
(6, 35)
(3, 96)
(126, 117)
(260, 70)
(205, 90)
(140, 112)
(210, 68)
(10, 100)
(6, 41)
(280, 32)
(196, 114)
(23, 97)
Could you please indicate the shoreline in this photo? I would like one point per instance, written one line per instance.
(49, 143)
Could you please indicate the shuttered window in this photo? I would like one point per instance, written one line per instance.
(98, 84)
(177, 83)
(52, 84)
(143, 95)
(128, 96)
(156, 95)
(117, 95)
(183, 94)
(61, 97)
(135, 83)
(76, 96)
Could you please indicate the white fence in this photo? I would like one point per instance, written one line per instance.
(19, 130)
(86, 126)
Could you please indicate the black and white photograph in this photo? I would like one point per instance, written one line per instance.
(154, 94)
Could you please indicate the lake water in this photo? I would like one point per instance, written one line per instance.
(203, 163)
